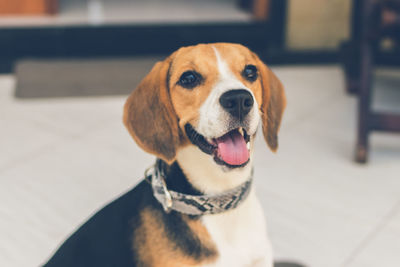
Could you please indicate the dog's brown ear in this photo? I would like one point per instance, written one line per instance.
(273, 104)
(150, 117)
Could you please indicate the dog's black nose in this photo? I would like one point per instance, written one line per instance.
(237, 102)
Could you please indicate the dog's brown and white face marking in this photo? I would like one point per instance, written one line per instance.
(212, 96)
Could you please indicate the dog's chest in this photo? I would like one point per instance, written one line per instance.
(240, 236)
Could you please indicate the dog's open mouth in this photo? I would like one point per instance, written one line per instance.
(230, 149)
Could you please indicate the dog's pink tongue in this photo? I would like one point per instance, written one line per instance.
(232, 148)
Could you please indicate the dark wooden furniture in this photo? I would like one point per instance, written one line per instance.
(125, 39)
(373, 20)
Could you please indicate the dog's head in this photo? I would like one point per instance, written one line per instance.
(212, 96)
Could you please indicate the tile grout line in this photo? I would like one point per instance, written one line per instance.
(372, 234)
(27, 156)
(47, 147)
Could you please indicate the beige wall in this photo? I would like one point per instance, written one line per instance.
(317, 24)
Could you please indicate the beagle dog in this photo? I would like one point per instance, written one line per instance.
(198, 112)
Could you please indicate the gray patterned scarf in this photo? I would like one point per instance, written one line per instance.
(195, 204)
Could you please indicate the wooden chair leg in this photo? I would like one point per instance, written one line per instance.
(350, 59)
(364, 103)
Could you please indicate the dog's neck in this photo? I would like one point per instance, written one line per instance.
(205, 176)
(175, 179)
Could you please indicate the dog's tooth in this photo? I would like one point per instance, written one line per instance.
(241, 131)
(248, 145)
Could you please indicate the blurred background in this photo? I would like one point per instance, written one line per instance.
(332, 192)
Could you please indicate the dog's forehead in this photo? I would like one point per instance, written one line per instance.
(203, 57)
(233, 54)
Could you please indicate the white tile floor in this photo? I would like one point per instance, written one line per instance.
(61, 159)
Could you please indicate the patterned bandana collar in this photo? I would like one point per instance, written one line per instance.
(195, 204)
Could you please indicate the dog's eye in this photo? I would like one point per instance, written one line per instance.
(250, 73)
(189, 79)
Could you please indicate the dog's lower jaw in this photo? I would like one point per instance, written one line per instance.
(206, 175)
